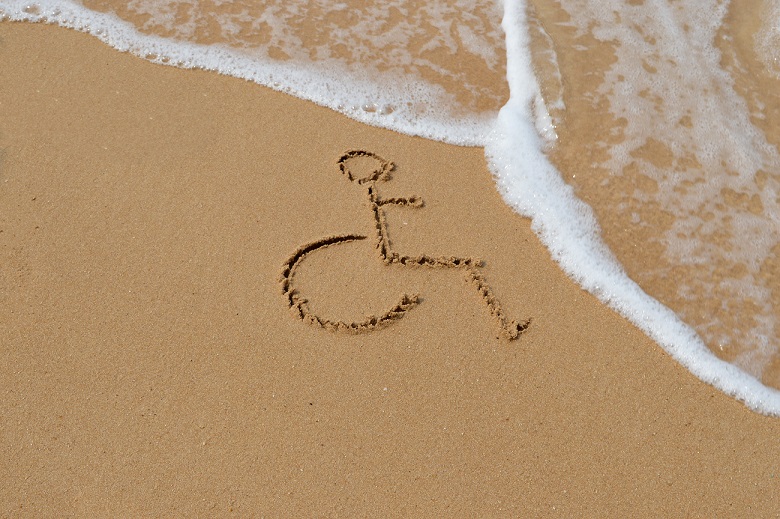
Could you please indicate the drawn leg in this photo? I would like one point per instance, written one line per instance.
(299, 304)
(510, 329)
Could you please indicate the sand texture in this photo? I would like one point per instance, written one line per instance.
(155, 364)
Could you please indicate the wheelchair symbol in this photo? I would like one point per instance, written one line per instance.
(509, 329)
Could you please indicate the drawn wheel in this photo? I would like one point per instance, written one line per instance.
(299, 305)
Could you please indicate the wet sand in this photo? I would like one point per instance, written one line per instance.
(153, 367)
(642, 227)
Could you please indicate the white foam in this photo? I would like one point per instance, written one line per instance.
(403, 104)
(767, 39)
(567, 226)
(667, 69)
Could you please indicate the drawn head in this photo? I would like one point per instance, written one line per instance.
(377, 168)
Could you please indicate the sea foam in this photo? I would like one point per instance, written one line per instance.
(533, 187)
(514, 141)
(767, 42)
(405, 104)
(685, 131)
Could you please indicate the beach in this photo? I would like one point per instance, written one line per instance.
(153, 366)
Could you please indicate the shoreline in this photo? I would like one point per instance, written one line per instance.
(153, 367)
(655, 306)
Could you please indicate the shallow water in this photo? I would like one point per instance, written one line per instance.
(390, 59)
(658, 114)
(684, 181)
(391, 39)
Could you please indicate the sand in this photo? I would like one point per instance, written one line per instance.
(152, 365)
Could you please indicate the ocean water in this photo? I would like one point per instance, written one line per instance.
(639, 136)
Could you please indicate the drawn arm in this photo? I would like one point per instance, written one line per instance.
(412, 201)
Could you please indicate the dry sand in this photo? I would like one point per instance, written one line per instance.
(151, 365)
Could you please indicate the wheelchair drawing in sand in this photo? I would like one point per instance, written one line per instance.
(509, 329)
